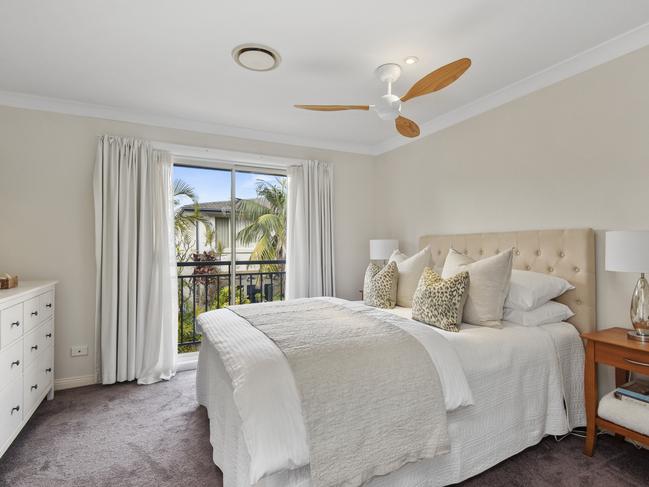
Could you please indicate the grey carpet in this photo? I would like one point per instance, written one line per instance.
(129, 435)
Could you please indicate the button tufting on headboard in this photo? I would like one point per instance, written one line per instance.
(565, 253)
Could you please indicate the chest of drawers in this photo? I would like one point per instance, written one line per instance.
(26, 354)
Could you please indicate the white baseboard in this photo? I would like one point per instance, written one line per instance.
(186, 361)
(72, 382)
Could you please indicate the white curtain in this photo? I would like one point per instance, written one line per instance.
(310, 243)
(136, 316)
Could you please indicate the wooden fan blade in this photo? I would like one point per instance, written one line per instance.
(438, 79)
(406, 127)
(332, 108)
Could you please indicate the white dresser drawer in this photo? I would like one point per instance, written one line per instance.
(11, 410)
(31, 311)
(33, 344)
(11, 324)
(11, 363)
(33, 386)
(46, 367)
(46, 305)
(47, 332)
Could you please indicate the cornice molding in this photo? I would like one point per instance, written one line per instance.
(72, 107)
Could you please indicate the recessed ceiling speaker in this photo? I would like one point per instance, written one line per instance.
(256, 57)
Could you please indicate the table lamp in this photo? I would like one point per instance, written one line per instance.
(628, 251)
(381, 249)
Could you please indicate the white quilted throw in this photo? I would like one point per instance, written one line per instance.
(371, 396)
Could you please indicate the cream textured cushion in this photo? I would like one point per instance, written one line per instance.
(438, 301)
(627, 412)
(380, 286)
(550, 312)
(410, 270)
(528, 290)
(488, 285)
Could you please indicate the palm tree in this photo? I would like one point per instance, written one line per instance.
(266, 221)
(185, 222)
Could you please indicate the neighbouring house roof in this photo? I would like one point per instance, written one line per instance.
(217, 207)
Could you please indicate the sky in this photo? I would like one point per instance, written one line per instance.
(214, 184)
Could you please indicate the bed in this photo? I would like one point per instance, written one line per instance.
(524, 383)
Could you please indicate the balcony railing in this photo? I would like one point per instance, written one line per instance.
(205, 286)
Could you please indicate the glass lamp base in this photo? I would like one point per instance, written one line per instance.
(634, 335)
(640, 310)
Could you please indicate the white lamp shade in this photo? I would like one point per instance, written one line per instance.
(382, 249)
(627, 251)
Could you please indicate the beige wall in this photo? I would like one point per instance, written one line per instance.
(575, 154)
(47, 222)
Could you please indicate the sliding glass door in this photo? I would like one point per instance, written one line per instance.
(230, 231)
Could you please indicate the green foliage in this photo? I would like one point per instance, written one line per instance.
(240, 297)
(184, 222)
(265, 220)
(219, 249)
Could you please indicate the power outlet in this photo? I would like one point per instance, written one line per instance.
(79, 350)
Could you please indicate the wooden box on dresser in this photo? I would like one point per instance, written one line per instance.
(26, 354)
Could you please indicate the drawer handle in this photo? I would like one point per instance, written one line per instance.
(15, 409)
(16, 363)
(15, 323)
(48, 305)
(35, 386)
(34, 347)
(636, 363)
(49, 335)
(49, 369)
(34, 313)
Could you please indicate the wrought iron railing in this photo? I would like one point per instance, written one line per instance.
(205, 286)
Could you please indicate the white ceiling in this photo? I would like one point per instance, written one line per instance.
(171, 60)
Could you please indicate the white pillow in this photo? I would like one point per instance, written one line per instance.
(550, 312)
(529, 290)
(410, 270)
(488, 285)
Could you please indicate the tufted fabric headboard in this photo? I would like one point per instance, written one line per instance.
(569, 254)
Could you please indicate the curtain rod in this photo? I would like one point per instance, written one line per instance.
(232, 157)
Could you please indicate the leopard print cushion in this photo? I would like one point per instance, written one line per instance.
(438, 301)
(380, 286)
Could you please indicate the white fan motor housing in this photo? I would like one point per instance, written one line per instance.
(388, 107)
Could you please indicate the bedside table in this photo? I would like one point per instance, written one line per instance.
(611, 347)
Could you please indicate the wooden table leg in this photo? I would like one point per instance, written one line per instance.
(590, 382)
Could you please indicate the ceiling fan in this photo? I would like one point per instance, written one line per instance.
(388, 107)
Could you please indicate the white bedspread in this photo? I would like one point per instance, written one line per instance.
(266, 396)
(519, 377)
